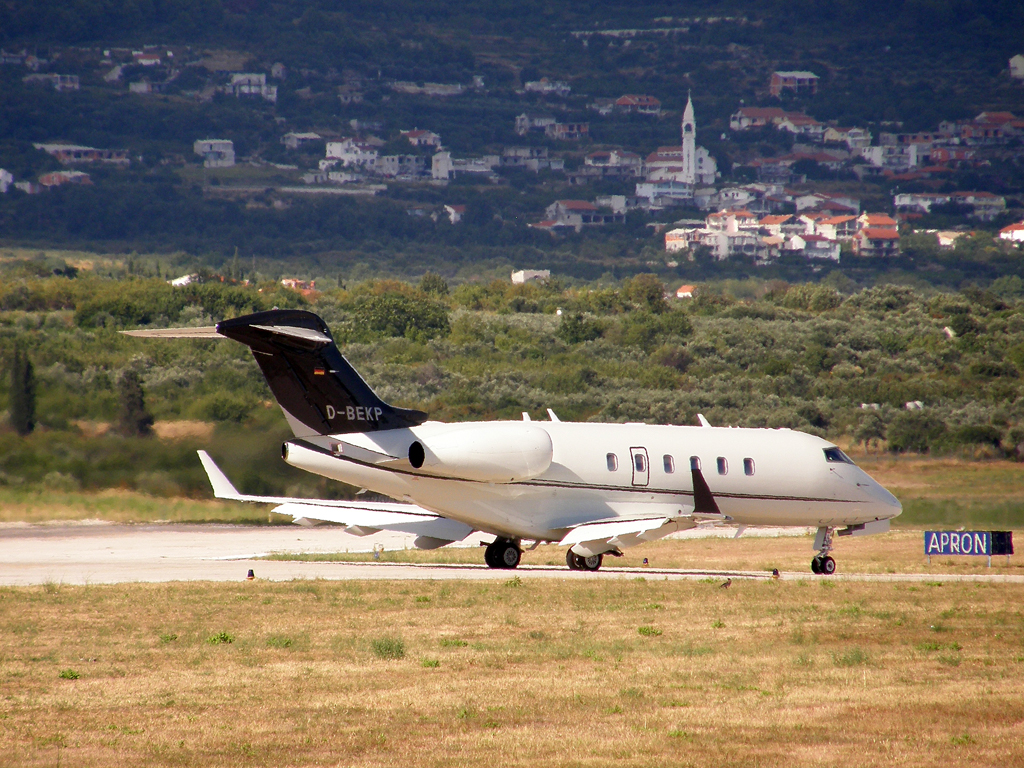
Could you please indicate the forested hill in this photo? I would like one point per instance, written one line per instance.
(906, 60)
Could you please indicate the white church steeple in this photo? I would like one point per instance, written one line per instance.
(689, 171)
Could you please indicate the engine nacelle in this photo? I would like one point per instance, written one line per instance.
(491, 452)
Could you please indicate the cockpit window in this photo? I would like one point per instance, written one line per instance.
(836, 456)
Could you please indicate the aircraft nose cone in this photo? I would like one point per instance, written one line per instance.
(890, 504)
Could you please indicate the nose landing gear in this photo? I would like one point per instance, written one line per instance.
(823, 562)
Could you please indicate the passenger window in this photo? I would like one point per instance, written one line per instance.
(670, 464)
(638, 461)
(723, 466)
(613, 462)
(695, 463)
(748, 467)
(836, 456)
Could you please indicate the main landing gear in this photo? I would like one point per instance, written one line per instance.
(823, 562)
(503, 553)
(581, 563)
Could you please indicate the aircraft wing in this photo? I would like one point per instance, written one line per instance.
(360, 518)
(617, 533)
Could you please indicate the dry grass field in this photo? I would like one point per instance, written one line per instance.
(900, 551)
(524, 672)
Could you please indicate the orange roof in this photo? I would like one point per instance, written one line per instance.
(765, 113)
(631, 99)
(878, 220)
(837, 220)
(880, 234)
(1018, 227)
(780, 219)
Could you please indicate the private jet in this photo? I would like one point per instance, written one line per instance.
(594, 488)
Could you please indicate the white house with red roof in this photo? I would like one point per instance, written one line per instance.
(578, 214)
(421, 138)
(1013, 233)
(632, 103)
(802, 125)
(798, 82)
(853, 138)
(616, 162)
(876, 241)
(746, 118)
(352, 153)
(455, 213)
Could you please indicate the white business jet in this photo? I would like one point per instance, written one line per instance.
(594, 488)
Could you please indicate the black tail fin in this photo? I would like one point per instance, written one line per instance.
(316, 387)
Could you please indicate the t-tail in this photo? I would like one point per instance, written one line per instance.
(317, 388)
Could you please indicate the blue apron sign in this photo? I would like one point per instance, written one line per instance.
(957, 543)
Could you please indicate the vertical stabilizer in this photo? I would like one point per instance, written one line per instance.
(317, 388)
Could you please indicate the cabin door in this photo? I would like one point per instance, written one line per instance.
(641, 466)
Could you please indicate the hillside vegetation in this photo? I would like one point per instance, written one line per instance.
(806, 357)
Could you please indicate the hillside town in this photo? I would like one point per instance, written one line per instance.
(797, 189)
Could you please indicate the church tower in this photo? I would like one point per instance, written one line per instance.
(689, 173)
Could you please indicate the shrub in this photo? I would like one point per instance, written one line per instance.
(576, 329)
(388, 648)
(915, 431)
(648, 631)
(851, 658)
(69, 674)
(221, 638)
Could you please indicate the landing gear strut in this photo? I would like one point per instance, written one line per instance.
(823, 562)
(581, 563)
(503, 553)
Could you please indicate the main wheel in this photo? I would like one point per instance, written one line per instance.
(593, 562)
(572, 560)
(492, 555)
(828, 566)
(510, 555)
(816, 565)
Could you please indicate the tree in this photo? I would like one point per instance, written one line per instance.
(132, 420)
(23, 393)
(433, 284)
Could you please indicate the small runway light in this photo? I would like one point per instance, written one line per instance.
(250, 575)
(775, 574)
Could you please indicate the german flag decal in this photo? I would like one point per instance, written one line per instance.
(318, 371)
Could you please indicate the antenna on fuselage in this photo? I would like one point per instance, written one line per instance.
(703, 422)
(551, 415)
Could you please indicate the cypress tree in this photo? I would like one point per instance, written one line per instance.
(133, 419)
(23, 393)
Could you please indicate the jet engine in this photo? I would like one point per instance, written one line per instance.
(495, 452)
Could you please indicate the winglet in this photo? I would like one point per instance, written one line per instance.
(222, 487)
(703, 422)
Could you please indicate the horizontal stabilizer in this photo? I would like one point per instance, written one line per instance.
(417, 521)
(206, 332)
(361, 517)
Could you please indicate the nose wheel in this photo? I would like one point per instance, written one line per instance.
(823, 563)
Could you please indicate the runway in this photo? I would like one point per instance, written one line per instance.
(104, 553)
